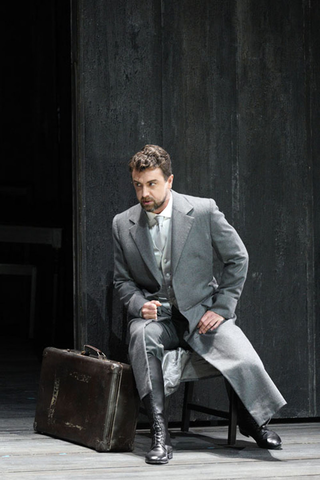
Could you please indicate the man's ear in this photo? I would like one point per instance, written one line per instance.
(170, 180)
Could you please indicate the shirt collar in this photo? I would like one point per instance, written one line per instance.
(167, 213)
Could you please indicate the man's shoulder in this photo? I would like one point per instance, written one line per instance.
(194, 201)
(132, 212)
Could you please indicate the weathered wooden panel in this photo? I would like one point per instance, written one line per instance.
(230, 90)
(119, 76)
(313, 82)
(199, 117)
(199, 97)
(265, 171)
(276, 193)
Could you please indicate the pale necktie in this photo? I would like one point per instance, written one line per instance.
(159, 237)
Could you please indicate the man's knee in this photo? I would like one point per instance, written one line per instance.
(146, 335)
(153, 338)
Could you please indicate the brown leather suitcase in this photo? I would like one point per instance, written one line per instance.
(88, 400)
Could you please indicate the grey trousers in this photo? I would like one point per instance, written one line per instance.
(227, 349)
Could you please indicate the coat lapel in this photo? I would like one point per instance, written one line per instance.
(141, 237)
(181, 225)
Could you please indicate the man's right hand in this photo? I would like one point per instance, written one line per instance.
(149, 310)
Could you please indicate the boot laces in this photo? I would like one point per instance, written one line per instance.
(158, 432)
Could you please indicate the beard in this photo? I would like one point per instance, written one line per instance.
(153, 205)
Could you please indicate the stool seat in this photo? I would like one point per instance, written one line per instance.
(180, 366)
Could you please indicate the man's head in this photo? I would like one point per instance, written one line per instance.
(152, 177)
(151, 156)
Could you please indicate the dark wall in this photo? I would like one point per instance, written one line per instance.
(36, 166)
(230, 90)
(314, 149)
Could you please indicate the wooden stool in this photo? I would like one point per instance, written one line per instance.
(184, 366)
(231, 415)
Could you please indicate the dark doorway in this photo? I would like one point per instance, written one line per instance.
(36, 175)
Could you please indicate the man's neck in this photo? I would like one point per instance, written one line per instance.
(167, 209)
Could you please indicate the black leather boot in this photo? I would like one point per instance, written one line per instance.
(154, 403)
(248, 427)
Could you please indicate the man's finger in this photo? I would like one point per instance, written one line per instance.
(156, 302)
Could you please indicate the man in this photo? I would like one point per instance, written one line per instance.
(164, 255)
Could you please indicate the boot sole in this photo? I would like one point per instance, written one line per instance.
(162, 462)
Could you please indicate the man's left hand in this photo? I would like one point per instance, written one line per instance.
(209, 321)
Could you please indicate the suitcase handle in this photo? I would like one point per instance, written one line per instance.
(96, 350)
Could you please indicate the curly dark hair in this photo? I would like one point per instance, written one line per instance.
(151, 156)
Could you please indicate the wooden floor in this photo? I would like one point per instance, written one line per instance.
(201, 454)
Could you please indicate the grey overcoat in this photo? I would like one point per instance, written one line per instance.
(200, 232)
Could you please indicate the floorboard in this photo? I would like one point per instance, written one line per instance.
(200, 454)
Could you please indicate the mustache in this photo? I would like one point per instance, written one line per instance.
(146, 199)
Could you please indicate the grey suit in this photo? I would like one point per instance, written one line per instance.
(199, 231)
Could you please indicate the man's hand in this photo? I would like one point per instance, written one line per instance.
(149, 310)
(209, 321)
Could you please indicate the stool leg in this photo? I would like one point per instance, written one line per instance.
(186, 412)
(232, 429)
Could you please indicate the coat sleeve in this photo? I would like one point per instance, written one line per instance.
(131, 296)
(234, 257)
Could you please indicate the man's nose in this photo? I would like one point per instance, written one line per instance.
(145, 191)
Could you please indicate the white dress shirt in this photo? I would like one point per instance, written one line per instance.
(166, 213)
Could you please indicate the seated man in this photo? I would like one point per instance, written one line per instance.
(164, 255)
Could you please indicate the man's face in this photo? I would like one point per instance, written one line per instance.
(152, 190)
